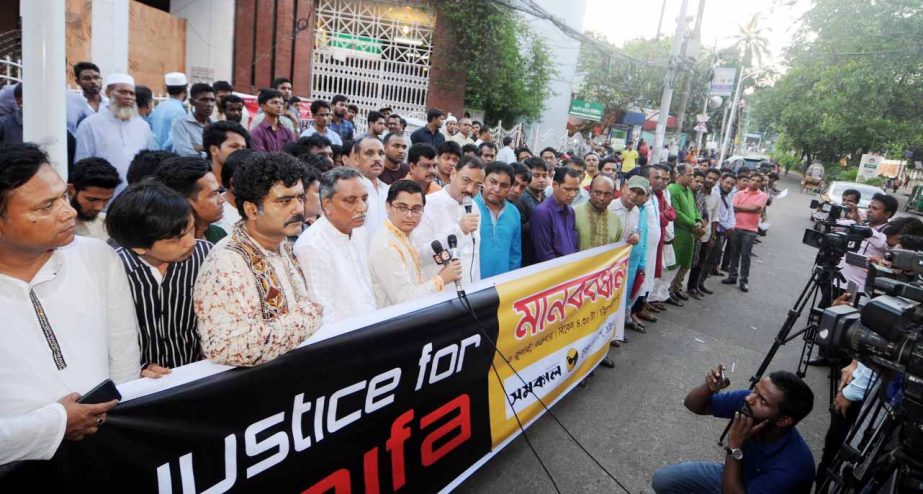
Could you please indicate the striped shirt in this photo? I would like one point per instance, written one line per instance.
(163, 304)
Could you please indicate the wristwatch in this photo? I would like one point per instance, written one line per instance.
(736, 453)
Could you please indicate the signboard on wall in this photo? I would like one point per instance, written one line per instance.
(587, 110)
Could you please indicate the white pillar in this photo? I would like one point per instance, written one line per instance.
(44, 79)
(109, 47)
(668, 80)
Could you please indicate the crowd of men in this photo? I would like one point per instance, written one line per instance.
(209, 233)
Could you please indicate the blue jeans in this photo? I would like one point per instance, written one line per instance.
(688, 478)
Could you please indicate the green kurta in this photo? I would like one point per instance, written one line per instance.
(687, 214)
(594, 228)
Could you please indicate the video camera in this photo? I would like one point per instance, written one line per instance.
(886, 333)
(831, 239)
(906, 267)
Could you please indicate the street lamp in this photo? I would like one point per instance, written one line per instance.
(730, 122)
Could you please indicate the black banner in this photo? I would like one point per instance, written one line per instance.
(399, 405)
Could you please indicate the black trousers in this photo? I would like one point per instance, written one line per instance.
(740, 244)
(697, 274)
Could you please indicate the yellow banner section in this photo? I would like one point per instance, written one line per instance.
(555, 327)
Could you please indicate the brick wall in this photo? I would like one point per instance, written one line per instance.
(264, 47)
(447, 79)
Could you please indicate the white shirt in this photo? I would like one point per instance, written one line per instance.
(506, 155)
(95, 228)
(118, 141)
(84, 294)
(652, 208)
(336, 267)
(376, 215)
(397, 274)
(440, 219)
(712, 204)
(629, 218)
(230, 217)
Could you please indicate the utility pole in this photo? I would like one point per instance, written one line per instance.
(663, 8)
(668, 81)
(687, 86)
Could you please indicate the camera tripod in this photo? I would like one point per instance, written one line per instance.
(818, 291)
(885, 459)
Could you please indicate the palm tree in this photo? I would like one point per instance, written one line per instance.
(751, 42)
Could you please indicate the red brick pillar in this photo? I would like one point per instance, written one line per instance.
(304, 48)
(447, 77)
(244, 15)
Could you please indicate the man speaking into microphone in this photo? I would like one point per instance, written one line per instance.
(397, 274)
(450, 212)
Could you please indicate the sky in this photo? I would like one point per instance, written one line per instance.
(622, 20)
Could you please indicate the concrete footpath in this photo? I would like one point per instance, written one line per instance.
(632, 417)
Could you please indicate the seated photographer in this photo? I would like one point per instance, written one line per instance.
(880, 211)
(765, 453)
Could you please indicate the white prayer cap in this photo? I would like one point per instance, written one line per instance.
(119, 79)
(175, 79)
(451, 119)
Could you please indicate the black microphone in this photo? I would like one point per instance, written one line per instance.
(453, 255)
(441, 256)
(467, 203)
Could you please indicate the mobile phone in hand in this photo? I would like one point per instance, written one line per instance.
(102, 393)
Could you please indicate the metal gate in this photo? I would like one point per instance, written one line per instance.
(375, 53)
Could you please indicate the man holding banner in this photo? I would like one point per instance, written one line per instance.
(250, 298)
(397, 274)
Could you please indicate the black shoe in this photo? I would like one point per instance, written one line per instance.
(673, 301)
(729, 281)
(615, 343)
(607, 363)
(705, 289)
(819, 362)
(680, 295)
(744, 287)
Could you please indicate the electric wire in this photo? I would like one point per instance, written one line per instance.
(463, 297)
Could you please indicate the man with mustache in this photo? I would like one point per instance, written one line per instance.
(186, 132)
(155, 229)
(116, 134)
(765, 453)
(334, 252)
(422, 160)
(91, 186)
(452, 211)
(368, 158)
(251, 299)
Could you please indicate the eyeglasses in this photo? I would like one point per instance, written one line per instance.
(403, 209)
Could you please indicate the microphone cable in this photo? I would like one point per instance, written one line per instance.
(463, 298)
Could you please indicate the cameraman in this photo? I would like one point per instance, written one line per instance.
(881, 209)
(765, 453)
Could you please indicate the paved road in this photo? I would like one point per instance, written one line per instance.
(631, 417)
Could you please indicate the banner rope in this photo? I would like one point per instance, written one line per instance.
(463, 297)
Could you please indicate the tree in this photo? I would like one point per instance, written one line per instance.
(855, 83)
(508, 68)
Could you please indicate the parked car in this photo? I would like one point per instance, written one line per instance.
(833, 194)
(746, 162)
